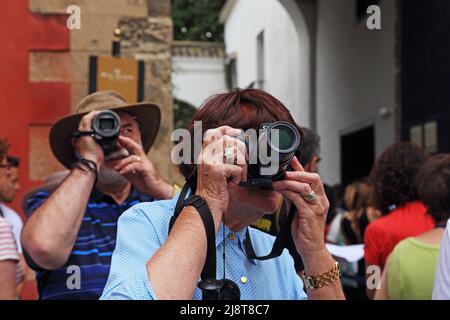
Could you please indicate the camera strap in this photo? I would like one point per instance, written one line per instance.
(209, 269)
(212, 289)
(78, 134)
(282, 241)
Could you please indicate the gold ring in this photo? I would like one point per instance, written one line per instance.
(311, 196)
(228, 154)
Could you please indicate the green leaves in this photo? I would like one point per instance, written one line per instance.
(197, 20)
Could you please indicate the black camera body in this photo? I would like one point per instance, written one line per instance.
(270, 153)
(106, 130)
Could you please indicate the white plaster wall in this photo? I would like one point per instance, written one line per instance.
(286, 61)
(355, 78)
(196, 78)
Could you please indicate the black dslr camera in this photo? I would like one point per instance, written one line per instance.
(270, 153)
(106, 130)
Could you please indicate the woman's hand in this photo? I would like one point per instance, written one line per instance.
(221, 163)
(308, 226)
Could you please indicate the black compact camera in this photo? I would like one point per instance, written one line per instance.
(106, 130)
(270, 153)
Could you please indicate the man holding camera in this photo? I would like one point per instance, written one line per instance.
(70, 234)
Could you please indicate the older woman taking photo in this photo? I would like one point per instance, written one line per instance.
(150, 264)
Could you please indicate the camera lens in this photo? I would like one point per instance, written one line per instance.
(106, 124)
(106, 127)
(276, 146)
(284, 139)
(287, 137)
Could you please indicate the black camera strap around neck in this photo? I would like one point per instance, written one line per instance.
(283, 240)
(209, 269)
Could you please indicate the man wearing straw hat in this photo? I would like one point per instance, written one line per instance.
(71, 231)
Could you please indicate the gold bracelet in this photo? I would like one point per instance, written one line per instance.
(321, 280)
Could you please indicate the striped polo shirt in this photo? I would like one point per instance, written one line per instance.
(8, 247)
(85, 273)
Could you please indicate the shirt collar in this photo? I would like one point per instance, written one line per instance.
(98, 196)
(230, 234)
(237, 237)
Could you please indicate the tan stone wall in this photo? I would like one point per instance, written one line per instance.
(147, 33)
(150, 39)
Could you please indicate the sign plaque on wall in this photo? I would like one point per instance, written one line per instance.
(123, 75)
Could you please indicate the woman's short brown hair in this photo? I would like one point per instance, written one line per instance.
(433, 186)
(240, 108)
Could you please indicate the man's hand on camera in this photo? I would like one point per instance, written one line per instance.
(141, 172)
(86, 146)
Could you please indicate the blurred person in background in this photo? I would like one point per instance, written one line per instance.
(410, 268)
(358, 200)
(335, 234)
(76, 224)
(11, 274)
(395, 195)
(7, 193)
(349, 229)
(332, 211)
(309, 150)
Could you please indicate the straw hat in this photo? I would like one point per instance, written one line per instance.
(148, 115)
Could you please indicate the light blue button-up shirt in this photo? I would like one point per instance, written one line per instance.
(144, 228)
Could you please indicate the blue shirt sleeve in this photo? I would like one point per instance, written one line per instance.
(137, 241)
(144, 228)
(34, 202)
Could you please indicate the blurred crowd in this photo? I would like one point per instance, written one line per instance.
(399, 212)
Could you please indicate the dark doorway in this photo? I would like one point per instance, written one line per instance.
(357, 154)
(425, 60)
